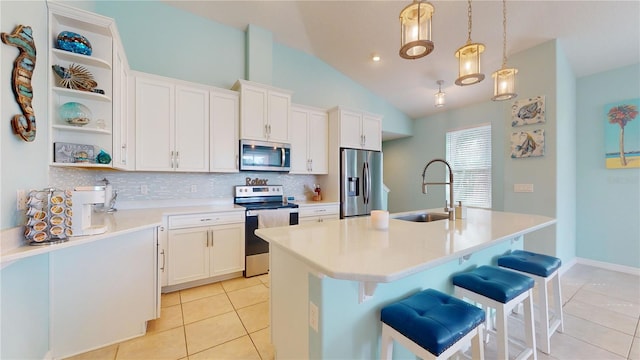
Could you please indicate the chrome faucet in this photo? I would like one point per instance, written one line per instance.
(448, 207)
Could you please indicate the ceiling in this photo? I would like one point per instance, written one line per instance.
(594, 35)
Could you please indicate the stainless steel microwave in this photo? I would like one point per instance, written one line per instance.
(264, 156)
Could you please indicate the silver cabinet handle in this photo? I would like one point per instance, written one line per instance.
(177, 159)
(211, 238)
(206, 219)
(172, 159)
(208, 233)
(163, 260)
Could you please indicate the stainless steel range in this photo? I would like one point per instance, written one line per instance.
(266, 207)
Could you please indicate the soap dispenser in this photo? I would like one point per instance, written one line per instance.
(461, 211)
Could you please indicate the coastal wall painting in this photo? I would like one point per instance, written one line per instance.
(527, 144)
(528, 111)
(622, 134)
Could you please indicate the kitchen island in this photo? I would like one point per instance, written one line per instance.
(330, 280)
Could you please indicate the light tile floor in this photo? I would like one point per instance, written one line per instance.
(230, 320)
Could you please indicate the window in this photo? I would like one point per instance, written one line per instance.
(468, 151)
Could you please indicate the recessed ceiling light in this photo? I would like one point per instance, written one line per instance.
(375, 58)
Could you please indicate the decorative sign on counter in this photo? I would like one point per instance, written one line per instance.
(256, 181)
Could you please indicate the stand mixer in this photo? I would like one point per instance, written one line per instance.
(84, 197)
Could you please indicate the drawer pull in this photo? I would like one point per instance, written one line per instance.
(207, 219)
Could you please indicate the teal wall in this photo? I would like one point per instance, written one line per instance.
(608, 201)
(543, 70)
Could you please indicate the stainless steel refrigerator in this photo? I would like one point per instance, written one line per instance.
(360, 182)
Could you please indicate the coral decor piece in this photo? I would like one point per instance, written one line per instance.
(620, 116)
(22, 37)
(75, 77)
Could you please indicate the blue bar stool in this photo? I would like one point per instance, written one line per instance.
(433, 325)
(543, 269)
(496, 288)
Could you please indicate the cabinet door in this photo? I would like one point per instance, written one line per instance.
(223, 142)
(227, 250)
(279, 115)
(318, 142)
(350, 129)
(154, 124)
(123, 122)
(299, 147)
(188, 254)
(372, 132)
(253, 113)
(191, 130)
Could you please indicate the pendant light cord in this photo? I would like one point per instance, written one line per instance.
(504, 33)
(469, 22)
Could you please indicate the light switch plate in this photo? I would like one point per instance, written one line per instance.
(523, 188)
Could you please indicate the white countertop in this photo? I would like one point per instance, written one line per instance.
(350, 249)
(118, 223)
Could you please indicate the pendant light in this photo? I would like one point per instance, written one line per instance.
(469, 58)
(504, 80)
(415, 30)
(439, 95)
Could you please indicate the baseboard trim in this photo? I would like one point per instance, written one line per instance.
(609, 266)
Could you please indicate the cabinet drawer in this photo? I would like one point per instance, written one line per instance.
(315, 210)
(205, 219)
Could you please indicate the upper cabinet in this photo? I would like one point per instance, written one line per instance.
(309, 140)
(357, 129)
(223, 140)
(172, 125)
(123, 119)
(82, 91)
(265, 112)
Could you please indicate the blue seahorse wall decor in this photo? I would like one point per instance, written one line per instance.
(22, 37)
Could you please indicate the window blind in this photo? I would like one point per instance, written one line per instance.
(468, 151)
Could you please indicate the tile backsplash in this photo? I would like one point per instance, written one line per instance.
(176, 186)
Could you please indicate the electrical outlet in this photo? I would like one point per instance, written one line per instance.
(521, 188)
(194, 188)
(313, 316)
(21, 200)
(144, 189)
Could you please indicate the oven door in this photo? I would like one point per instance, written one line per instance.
(256, 249)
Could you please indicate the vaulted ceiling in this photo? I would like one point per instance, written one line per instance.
(594, 35)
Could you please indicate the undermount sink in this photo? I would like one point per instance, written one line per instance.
(423, 217)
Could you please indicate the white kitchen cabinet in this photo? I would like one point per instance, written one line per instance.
(197, 252)
(172, 125)
(318, 212)
(265, 112)
(123, 119)
(98, 133)
(103, 292)
(224, 122)
(358, 129)
(309, 140)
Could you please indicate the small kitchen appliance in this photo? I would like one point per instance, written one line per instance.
(84, 197)
(266, 207)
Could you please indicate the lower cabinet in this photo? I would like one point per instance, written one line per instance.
(103, 292)
(318, 212)
(200, 252)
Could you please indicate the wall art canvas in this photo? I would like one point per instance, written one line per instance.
(622, 134)
(527, 144)
(528, 111)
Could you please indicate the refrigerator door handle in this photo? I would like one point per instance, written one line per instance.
(365, 182)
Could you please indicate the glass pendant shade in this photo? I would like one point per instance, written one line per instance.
(439, 102)
(469, 64)
(504, 84)
(415, 30)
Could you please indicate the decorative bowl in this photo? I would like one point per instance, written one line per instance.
(75, 114)
(74, 42)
